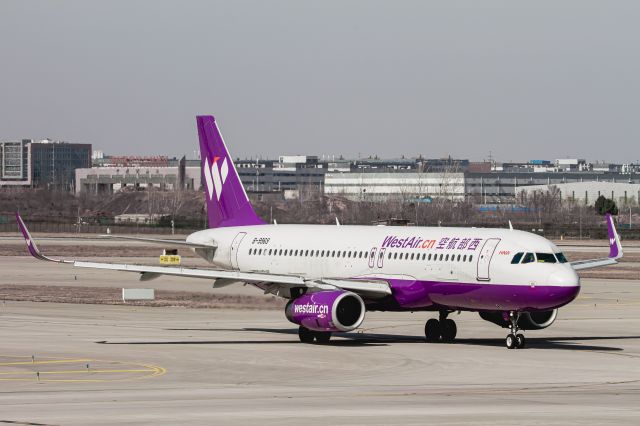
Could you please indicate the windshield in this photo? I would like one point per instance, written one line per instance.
(516, 258)
(561, 258)
(528, 258)
(546, 258)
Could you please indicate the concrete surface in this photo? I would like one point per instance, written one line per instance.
(137, 365)
(79, 364)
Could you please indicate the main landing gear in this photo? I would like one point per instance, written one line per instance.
(514, 339)
(442, 330)
(311, 336)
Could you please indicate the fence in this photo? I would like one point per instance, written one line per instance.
(70, 228)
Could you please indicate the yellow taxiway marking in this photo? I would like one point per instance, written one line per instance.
(102, 373)
(75, 371)
(59, 361)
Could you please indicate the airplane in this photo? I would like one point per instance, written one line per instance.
(333, 274)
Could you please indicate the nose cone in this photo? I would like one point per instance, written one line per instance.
(565, 277)
(564, 286)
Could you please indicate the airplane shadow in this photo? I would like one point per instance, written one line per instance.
(379, 339)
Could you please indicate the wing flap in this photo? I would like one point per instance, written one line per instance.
(165, 242)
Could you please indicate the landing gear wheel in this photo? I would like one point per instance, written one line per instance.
(511, 341)
(520, 341)
(305, 335)
(448, 330)
(432, 330)
(322, 337)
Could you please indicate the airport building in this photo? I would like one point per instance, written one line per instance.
(15, 164)
(42, 164)
(139, 173)
(369, 186)
(623, 193)
(372, 179)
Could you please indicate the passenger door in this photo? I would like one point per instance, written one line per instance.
(484, 259)
(235, 246)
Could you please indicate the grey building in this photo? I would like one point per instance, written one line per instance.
(15, 164)
(45, 163)
(53, 164)
(502, 187)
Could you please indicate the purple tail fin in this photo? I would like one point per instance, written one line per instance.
(227, 202)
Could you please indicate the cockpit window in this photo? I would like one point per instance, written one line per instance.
(546, 258)
(516, 258)
(561, 258)
(528, 258)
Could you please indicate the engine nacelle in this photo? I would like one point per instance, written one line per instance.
(327, 311)
(528, 320)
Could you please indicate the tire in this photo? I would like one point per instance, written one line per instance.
(305, 335)
(432, 330)
(511, 341)
(520, 341)
(322, 337)
(448, 330)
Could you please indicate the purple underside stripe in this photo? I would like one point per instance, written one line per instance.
(480, 296)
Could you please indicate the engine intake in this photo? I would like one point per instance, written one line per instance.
(528, 320)
(327, 311)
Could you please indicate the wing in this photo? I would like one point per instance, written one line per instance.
(270, 283)
(615, 250)
(176, 243)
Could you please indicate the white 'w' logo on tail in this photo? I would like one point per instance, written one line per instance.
(215, 177)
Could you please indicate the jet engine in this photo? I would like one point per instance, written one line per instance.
(528, 320)
(334, 310)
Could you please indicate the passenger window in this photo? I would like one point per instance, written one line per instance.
(389, 256)
(411, 256)
(446, 258)
(528, 258)
(546, 258)
(429, 258)
(424, 256)
(464, 258)
(459, 257)
(516, 258)
(441, 255)
(561, 258)
(470, 257)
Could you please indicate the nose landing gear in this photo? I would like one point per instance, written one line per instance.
(514, 339)
(442, 330)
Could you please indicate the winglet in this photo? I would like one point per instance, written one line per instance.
(615, 248)
(31, 244)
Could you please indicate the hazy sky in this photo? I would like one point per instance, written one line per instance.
(524, 80)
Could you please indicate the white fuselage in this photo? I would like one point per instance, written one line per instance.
(455, 255)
